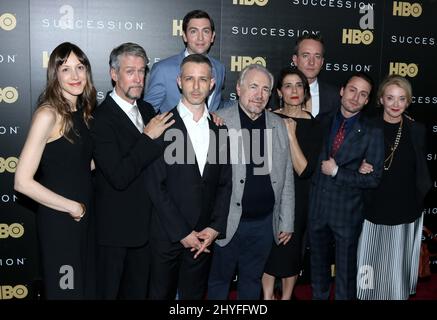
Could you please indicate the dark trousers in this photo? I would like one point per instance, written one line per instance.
(123, 273)
(174, 269)
(248, 252)
(346, 244)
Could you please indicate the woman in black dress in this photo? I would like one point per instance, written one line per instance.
(389, 245)
(59, 147)
(304, 134)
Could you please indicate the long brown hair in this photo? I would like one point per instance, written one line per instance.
(52, 94)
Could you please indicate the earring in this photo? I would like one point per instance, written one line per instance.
(281, 102)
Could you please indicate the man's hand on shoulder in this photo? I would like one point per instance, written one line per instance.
(158, 124)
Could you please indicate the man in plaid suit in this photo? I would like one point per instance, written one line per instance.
(336, 192)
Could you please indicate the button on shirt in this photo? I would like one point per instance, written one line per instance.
(131, 110)
(198, 133)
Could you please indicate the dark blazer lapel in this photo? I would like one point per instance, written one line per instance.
(144, 114)
(322, 95)
(124, 119)
(216, 76)
(188, 145)
(213, 148)
(357, 132)
(326, 127)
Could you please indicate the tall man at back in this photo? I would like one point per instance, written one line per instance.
(335, 209)
(198, 33)
(308, 57)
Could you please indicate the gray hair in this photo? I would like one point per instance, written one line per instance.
(258, 67)
(127, 48)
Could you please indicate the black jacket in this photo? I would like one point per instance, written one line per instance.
(122, 154)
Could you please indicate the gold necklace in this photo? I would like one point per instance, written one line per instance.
(388, 161)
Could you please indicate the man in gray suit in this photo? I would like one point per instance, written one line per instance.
(262, 188)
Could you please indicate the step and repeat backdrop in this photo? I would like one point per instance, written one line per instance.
(378, 37)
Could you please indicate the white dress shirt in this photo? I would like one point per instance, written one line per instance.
(198, 133)
(131, 110)
(315, 100)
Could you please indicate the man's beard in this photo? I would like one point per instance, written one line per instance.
(132, 96)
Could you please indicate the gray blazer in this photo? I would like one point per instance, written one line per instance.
(281, 173)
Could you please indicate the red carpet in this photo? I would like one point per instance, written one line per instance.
(426, 290)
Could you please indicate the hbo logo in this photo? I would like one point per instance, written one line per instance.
(9, 292)
(260, 3)
(406, 9)
(356, 36)
(8, 164)
(410, 70)
(238, 63)
(8, 95)
(14, 230)
(7, 21)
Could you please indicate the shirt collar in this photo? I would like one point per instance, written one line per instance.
(184, 112)
(349, 122)
(244, 115)
(186, 54)
(123, 104)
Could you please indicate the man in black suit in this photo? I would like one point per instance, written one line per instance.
(123, 131)
(190, 186)
(336, 194)
(308, 57)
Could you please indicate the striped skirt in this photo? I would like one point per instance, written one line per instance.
(388, 260)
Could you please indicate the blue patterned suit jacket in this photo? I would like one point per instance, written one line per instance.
(339, 200)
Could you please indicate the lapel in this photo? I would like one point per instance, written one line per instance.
(122, 116)
(233, 120)
(217, 77)
(321, 94)
(356, 133)
(327, 125)
(271, 138)
(276, 143)
(189, 155)
(233, 123)
(213, 148)
(181, 56)
(146, 115)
